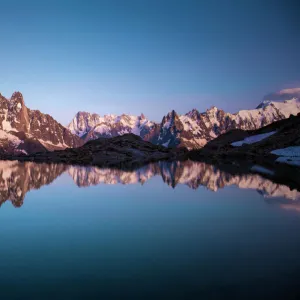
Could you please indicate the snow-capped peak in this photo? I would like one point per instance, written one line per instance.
(264, 104)
(212, 109)
(193, 114)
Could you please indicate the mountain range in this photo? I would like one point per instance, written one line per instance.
(24, 131)
(192, 130)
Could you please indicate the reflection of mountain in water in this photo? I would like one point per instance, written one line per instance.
(86, 176)
(16, 178)
(192, 174)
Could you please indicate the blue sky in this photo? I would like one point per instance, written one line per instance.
(147, 56)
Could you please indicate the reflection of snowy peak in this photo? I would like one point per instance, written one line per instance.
(192, 130)
(87, 176)
(192, 174)
(16, 179)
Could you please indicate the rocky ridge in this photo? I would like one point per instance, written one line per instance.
(128, 151)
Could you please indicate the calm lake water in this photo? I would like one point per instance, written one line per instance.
(166, 231)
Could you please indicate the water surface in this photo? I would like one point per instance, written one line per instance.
(178, 230)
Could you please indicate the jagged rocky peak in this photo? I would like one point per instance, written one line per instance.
(174, 114)
(17, 96)
(170, 128)
(17, 102)
(170, 117)
(84, 114)
(213, 108)
(14, 114)
(212, 112)
(83, 122)
(193, 112)
(26, 131)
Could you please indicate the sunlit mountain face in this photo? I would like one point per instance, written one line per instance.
(16, 179)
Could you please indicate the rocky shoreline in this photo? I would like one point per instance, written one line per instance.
(130, 152)
(126, 151)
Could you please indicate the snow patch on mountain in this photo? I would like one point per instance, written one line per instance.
(253, 139)
(166, 144)
(10, 138)
(58, 145)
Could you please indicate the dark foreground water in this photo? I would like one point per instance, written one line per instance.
(166, 231)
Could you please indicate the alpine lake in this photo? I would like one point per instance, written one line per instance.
(169, 230)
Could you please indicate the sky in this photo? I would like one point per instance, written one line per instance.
(140, 56)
